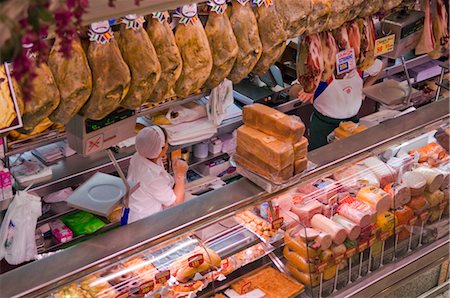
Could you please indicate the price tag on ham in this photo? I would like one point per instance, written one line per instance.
(350, 252)
(372, 240)
(384, 45)
(162, 277)
(277, 223)
(413, 221)
(146, 287)
(123, 295)
(246, 288)
(345, 61)
(338, 259)
(424, 215)
(398, 229)
(384, 236)
(196, 260)
(321, 267)
(363, 246)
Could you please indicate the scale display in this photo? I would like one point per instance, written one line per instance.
(116, 116)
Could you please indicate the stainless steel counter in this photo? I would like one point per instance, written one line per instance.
(91, 255)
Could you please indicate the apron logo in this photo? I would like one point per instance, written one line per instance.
(348, 89)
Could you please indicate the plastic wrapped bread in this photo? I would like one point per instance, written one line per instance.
(378, 199)
(306, 211)
(353, 230)
(384, 173)
(300, 165)
(265, 170)
(245, 28)
(301, 148)
(252, 142)
(224, 47)
(272, 122)
(169, 57)
(73, 78)
(324, 224)
(140, 56)
(193, 44)
(400, 194)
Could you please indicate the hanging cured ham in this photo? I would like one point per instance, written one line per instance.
(354, 36)
(224, 47)
(245, 28)
(318, 18)
(329, 50)
(391, 4)
(193, 44)
(355, 9)
(426, 41)
(294, 14)
(338, 14)
(367, 52)
(371, 7)
(273, 37)
(342, 39)
(310, 63)
(440, 30)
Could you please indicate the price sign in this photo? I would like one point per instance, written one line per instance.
(247, 287)
(225, 264)
(196, 260)
(372, 240)
(363, 246)
(384, 236)
(338, 259)
(146, 287)
(277, 223)
(424, 215)
(413, 221)
(162, 277)
(345, 61)
(321, 267)
(398, 229)
(442, 205)
(123, 295)
(384, 45)
(350, 252)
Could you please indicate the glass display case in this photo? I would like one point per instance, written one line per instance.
(328, 234)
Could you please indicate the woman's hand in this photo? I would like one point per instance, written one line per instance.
(180, 168)
(305, 97)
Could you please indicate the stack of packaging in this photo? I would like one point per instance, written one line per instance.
(271, 143)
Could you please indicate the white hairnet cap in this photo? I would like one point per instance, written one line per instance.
(150, 141)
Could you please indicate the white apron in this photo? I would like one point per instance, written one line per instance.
(342, 99)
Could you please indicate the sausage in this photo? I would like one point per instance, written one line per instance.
(353, 230)
(300, 263)
(324, 224)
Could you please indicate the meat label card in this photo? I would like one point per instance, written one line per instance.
(345, 61)
(384, 45)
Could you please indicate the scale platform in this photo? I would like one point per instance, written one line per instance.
(100, 195)
(390, 93)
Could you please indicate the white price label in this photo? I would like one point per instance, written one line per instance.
(345, 61)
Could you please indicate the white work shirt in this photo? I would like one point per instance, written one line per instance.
(155, 190)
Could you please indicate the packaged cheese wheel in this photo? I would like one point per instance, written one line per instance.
(415, 181)
(377, 198)
(309, 251)
(434, 198)
(434, 178)
(274, 123)
(353, 230)
(326, 225)
(382, 171)
(300, 165)
(306, 211)
(418, 204)
(324, 240)
(299, 262)
(400, 194)
(301, 148)
(308, 279)
(359, 217)
(387, 222)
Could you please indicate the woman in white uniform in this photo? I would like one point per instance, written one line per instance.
(337, 100)
(157, 188)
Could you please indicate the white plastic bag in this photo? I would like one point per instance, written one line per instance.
(17, 241)
(187, 113)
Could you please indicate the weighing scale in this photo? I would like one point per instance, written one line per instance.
(102, 192)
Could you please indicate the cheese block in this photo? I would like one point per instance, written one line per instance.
(326, 225)
(382, 171)
(377, 198)
(254, 143)
(264, 170)
(415, 181)
(306, 211)
(272, 122)
(434, 178)
(300, 165)
(387, 222)
(301, 148)
(353, 230)
(400, 194)
(341, 134)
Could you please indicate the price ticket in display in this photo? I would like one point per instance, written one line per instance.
(146, 287)
(345, 61)
(384, 45)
